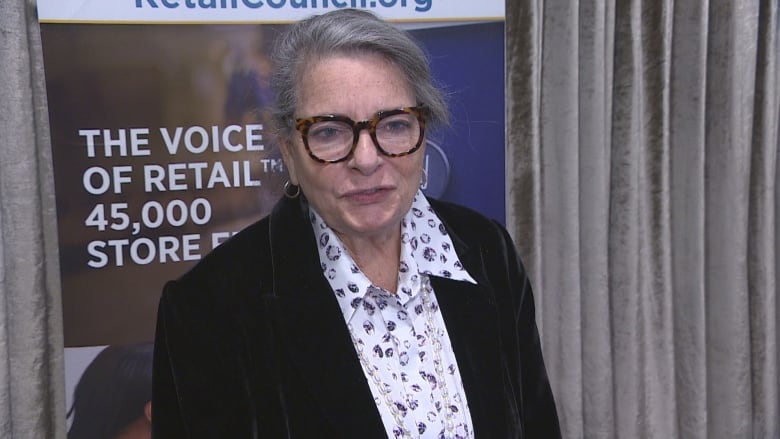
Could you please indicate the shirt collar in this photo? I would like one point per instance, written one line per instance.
(429, 243)
(426, 248)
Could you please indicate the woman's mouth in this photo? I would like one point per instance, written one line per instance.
(367, 196)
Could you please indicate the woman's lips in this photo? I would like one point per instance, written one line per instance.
(368, 196)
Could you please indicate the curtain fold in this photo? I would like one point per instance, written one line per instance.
(762, 257)
(31, 371)
(728, 113)
(642, 170)
(688, 142)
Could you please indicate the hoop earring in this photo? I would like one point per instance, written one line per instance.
(288, 186)
(424, 179)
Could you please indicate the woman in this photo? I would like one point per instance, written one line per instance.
(357, 308)
(112, 399)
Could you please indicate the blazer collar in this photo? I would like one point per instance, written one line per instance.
(470, 314)
(312, 330)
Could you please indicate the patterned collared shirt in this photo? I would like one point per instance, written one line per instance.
(400, 338)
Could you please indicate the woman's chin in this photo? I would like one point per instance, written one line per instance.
(368, 225)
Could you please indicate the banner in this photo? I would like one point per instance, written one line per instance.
(260, 11)
(158, 115)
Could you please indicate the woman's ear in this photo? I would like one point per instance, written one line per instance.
(289, 160)
(148, 411)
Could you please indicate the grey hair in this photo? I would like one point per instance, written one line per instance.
(347, 31)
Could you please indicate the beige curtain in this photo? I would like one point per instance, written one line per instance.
(642, 191)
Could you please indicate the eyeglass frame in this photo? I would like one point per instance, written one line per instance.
(420, 111)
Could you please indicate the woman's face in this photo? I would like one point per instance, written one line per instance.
(369, 193)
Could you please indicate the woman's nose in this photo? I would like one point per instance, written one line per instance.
(366, 156)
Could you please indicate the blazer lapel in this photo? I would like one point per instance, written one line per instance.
(312, 329)
(472, 323)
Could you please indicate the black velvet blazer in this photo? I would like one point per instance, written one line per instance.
(251, 342)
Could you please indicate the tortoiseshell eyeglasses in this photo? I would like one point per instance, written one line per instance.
(333, 138)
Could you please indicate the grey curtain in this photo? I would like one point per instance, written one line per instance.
(32, 401)
(642, 191)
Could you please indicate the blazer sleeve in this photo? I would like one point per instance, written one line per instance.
(212, 375)
(200, 382)
(540, 418)
(167, 420)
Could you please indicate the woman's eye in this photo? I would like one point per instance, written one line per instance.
(396, 125)
(327, 132)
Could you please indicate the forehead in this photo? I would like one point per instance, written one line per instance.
(354, 85)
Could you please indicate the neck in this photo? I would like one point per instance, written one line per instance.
(378, 257)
